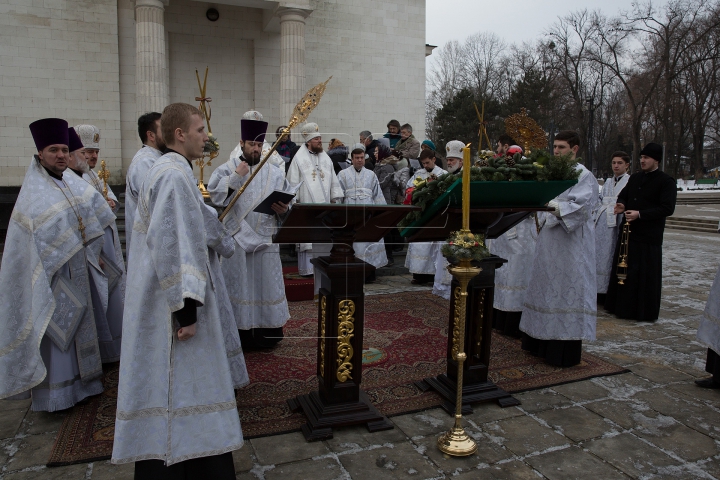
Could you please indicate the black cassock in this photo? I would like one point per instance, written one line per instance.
(653, 195)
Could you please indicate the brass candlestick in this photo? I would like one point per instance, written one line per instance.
(456, 441)
(205, 109)
(104, 175)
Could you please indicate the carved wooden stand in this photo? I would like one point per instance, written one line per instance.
(478, 328)
(339, 401)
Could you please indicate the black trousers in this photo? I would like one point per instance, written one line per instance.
(712, 365)
(216, 467)
(559, 353)
(639, 297)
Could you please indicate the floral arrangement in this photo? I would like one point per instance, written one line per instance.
(211, 146)
(464, 245)
(485, 155)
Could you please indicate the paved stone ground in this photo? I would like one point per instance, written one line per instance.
(651, 423)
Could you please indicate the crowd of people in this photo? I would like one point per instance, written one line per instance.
(197, 290)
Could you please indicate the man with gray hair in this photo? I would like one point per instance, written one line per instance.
(370, 144)
(90, 138)
(408, 147)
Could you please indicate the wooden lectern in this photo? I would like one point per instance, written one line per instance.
(341, 309)
(492, 219)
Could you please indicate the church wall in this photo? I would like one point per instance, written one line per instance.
(375, 51)
(229, 47)
(58, 58)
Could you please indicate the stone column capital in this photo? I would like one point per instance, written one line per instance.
(161, 4)
(292, 13)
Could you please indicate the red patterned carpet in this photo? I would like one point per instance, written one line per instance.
(405, 338)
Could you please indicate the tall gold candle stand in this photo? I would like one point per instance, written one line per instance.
(456, 441)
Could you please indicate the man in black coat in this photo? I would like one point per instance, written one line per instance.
(647, 199)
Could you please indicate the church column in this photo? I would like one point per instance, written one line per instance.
(292, 57)
(150, 56)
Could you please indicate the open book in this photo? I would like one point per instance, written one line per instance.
(284, 196)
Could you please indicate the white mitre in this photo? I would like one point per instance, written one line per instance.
(454, 149)
(89, 136)
(310, 131)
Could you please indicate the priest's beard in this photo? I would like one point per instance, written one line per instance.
(79, 162)
(429, 169)
(252, 158)
(453, 169)
(316, 149)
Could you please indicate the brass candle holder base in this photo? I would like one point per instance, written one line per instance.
(456, 441)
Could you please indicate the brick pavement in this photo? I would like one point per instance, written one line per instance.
(651, 423)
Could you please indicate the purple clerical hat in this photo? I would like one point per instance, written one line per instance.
(74, 139)
(49, 131)
(252, 130)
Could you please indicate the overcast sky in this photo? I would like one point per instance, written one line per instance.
(514, 21)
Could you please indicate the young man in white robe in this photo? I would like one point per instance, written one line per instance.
(421, 256)
(443, 279)
(176, 412)
(361, 187)
(108, 285)
(90, 138)
(253, 275)
(49, 347)
(314, 168)
(607, 223)
(152, 148)
(560, 309)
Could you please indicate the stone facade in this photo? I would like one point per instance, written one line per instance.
(107, 61)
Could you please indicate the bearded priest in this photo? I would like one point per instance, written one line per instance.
(49, 346)
(312, 167)
(108, 285)
(176, 411)
(253, 275)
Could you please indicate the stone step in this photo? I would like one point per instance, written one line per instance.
(692, 224)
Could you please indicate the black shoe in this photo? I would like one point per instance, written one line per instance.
(390, 263)
(397, 248)
(707, 383)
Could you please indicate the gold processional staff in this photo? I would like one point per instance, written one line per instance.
(301, 112)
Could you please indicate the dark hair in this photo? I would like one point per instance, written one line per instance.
(622, 155)
(569, 136)
(146, 123)
(506, 139)
(357, 151)
(394, 123)
(280, 129)
(427, 154)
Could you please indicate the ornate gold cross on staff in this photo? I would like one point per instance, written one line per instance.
(104, 175)
(207, 111)
(482, 131)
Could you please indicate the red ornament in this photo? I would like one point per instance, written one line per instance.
(513, 150)
(408, 196)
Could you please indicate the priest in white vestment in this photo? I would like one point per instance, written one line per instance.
(90, 138)
(176, 403)
(517, 246)
(421, 256)
(275, 158)
(361, 187)
(151, 150)
(607, 224)
(708, 334)
(108, 285)
(443, 278)
(313, 167)
(560, 309)
(253, 275)
(49, 346)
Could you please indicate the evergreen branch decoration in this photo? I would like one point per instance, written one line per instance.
(540, 166)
